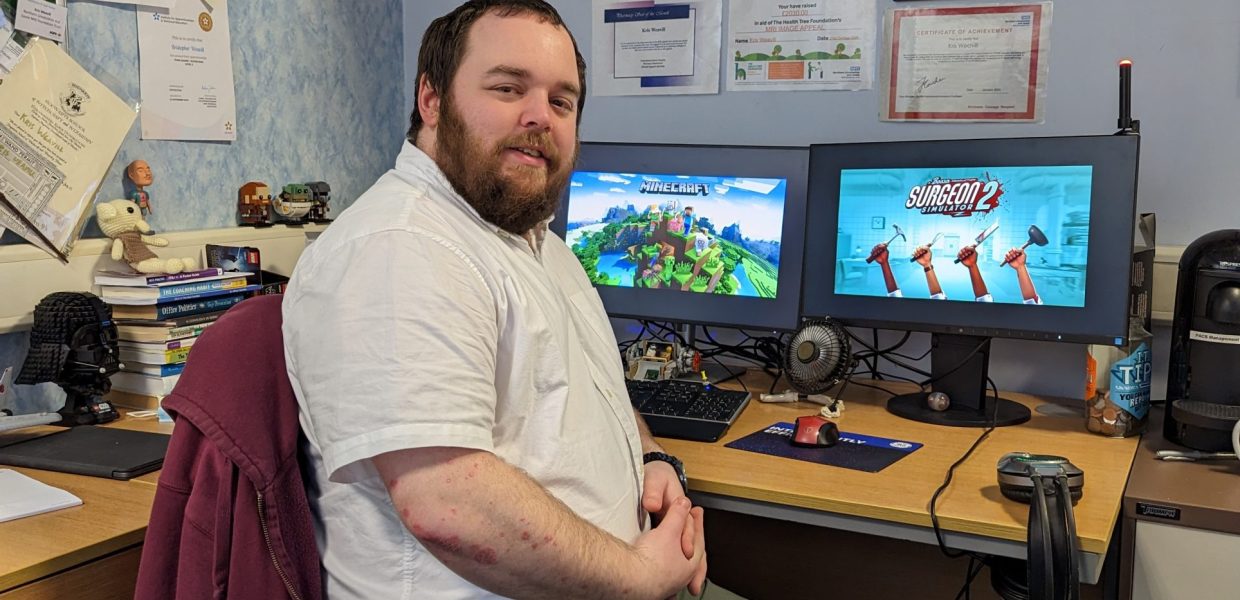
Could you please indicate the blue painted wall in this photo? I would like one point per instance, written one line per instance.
(319, 89)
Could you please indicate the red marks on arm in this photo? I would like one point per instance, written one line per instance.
(479, 553)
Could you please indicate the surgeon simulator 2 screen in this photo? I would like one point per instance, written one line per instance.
(1012, 235)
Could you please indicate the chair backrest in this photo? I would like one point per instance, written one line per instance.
(237, 415)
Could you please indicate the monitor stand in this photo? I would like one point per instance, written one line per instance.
(971, 405)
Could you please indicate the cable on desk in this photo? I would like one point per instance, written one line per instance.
(947, 480)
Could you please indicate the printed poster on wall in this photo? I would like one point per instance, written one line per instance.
(807, 45)
(60, 128)
(185, 69)
(966, 63)
(655, 47)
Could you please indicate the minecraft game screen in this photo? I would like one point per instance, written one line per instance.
(709, 235)
(1014, 235)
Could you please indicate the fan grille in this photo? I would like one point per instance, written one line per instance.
(817, 357)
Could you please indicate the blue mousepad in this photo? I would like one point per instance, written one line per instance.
(854, 451)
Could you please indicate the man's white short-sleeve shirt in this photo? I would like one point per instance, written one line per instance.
(412, 322)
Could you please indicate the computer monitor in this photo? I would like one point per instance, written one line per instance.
(690, 234)
(1067, 202)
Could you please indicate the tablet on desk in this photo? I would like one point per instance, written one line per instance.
(89, 450)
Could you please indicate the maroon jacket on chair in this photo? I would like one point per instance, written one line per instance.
(230, 518)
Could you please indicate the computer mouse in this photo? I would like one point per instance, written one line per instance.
(813, 431)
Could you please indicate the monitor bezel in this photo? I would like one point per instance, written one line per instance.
(789, 163)
(1103, 319)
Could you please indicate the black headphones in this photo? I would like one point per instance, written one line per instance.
(1050, 485)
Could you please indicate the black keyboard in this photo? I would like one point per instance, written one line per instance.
(686, 409)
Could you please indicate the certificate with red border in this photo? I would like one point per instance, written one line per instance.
(966, 63)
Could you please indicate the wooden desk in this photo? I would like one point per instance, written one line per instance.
(895, 502)
(88, 551)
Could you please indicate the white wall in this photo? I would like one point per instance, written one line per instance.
(1186, 86)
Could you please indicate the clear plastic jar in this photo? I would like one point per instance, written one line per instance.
(1117, 385)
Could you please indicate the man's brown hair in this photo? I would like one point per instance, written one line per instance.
(445, 40)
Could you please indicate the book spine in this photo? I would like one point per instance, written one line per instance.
(207, 294)
(170, 370)
(197, 319)
(154, 356)
(185, 290)
(175, 344)
(137, 383)
(175, 333)
(210, 272)
(135, 401)
(179, 355)
(167, 311)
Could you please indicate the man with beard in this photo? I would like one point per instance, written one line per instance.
(468, 430)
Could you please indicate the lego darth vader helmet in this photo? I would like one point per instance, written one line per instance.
(72, 344)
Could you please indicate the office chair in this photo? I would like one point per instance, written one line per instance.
(231, 516)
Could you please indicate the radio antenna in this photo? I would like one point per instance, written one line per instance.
(1126, 123)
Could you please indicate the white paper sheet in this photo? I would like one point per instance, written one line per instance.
(966, 63)
(805, 45)
(185, 70)
(60, 128)
(658, 48)
(22, 496)
(42, 18)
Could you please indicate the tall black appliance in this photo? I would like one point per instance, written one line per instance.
(1203, 382)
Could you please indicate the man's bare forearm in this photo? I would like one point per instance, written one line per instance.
(493, 525)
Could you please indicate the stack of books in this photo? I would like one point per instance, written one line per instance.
(158, 319)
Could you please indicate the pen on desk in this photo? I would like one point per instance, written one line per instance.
(1192, 455)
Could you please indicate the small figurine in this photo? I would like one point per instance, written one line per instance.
(122, 221)
(293, 204)
(139, 173)
(254, 205)
(320, 194)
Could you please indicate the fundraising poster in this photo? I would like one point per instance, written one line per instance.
(966, 63)
(808, 45)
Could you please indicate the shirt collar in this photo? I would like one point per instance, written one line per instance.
(413, 161)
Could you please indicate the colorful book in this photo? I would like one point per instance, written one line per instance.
(116, 294)
(197, 295)
(153, 370)
(137, 383)
(144, 333)
(154, 357)
(153, 346)
(143, 279)
(159, 312)
(182, 321)
(234, 258)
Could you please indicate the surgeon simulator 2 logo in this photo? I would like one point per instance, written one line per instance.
(955, 197)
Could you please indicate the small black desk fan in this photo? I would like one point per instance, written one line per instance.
(818, 357)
